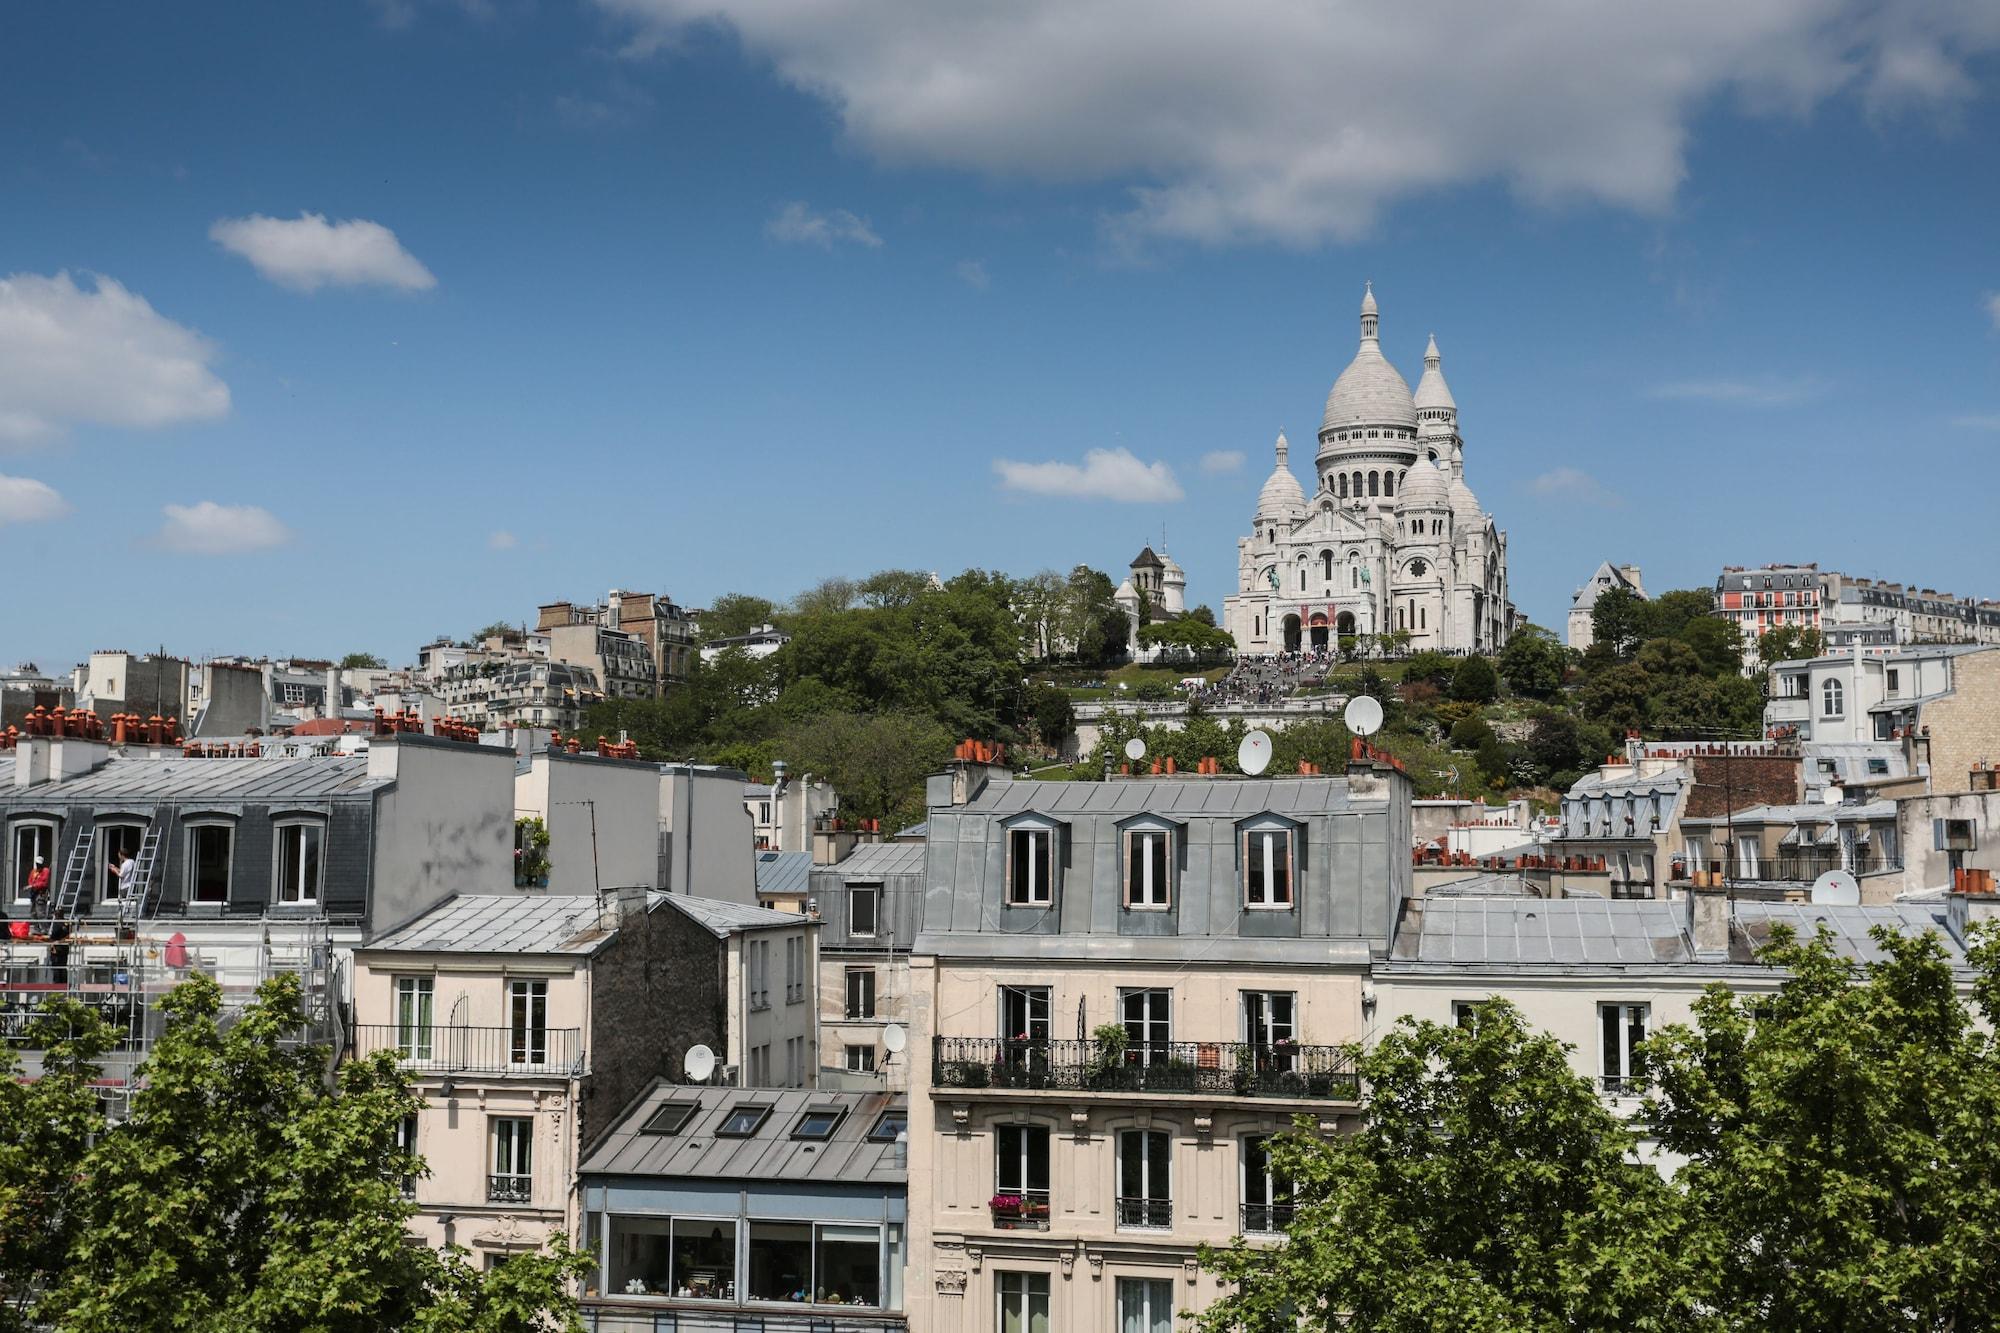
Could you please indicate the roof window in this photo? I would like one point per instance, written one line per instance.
(670, 1118)
(890, 1126)
(743, 1120)
(818, 1122)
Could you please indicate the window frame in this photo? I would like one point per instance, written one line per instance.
(20, 869)
(1263, 1031)
(832, 1116)
(880, 1133)
(527, 1042)
(871, 893)
(1145, 1195)
(192, 830)
(852, 1058)
(1157, 866)
(101, 854)
(513, 1136)
(1262, 898)
(849, 1008)
(1023, 1158)
(1615, 1022)
(730, 1114)
(1833, 698)
(655, 1123)
(1033, 1296)
(1034, 893)
(1276, 1191)
(282, 830)
(1148, 1049)
(416, 1039)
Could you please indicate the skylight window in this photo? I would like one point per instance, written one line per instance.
(818, 1122)
(670, 1118)
(743, 1121)
(890, 1126)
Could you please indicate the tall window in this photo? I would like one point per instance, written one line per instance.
(1030, 867)
(528, 1022)
(862, 902)
(795, 1062)
(1832, 699)
(1021, 1162)
(513, 1176)
(1267, 1018)
(414, 997)
(1148, 858)
(406, 1143)
(117, 844)
(759, 954)
(1024, 1013)
(1267, 1197)
(1145, 1178)
(1145, 1305)
(795, 969)
(1024, 1302)
(28, 843)
(1624, 1027)
(1148, 1024)
(299, 868)
(1267, 868)
(208, 849)
(861, 992)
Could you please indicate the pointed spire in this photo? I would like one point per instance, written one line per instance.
(1284, 449)
(1370, 321)
(1431, 357)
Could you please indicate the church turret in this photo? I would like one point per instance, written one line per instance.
(1282, 501)
(1437, 412)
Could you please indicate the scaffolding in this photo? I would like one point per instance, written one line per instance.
(123, 972)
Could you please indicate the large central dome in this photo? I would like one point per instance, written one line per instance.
(1370, 392)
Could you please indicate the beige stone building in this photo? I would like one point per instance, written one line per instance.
(1118, 992)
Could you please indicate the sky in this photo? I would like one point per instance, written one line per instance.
(331, 328)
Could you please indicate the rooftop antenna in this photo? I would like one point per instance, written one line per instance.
(1363, 715)
(698, 1064)
(1253, 756)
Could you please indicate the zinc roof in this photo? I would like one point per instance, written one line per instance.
(720, 918)
(1849, 923)
(846, 1157)
(881, 858)
(1535, 931)
(783, 872)
(211, 779)
(1228, 798)
(503, 923)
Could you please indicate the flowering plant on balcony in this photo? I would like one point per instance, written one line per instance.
(1034, 1208)
(1007, 1205)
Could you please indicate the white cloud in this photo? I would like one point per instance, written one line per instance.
(503, 540)
(1106, 474)
(25, 500)
(1576, 487)
(100, 357)
(1222, 460)
(307, 252)
(209, 528)
(972, 272)
(1276, 120)
(1977, 421)
(797, 224)
(1763, 392)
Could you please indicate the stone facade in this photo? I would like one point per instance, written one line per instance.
(1391, 543)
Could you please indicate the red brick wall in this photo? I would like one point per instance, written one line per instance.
(1742, 781)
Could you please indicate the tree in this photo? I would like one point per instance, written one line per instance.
(1842, 1166)
(1487, 1189)
(892, 588)
(1054, 716)
(1435, 667)
(734, 614)
(877, 765)
(1554, 748)
(1202, 615)
(1534, 663)
(1620, 621)
(1674, 611)
(1474, 681)
(497, 629)
(1788, 643)
(247, 1190)
(1717, 642)
(1616, 698)
(362, 662)
(1470, 733)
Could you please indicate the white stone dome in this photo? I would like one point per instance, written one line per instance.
(1465, 505)
(1423, 488)
(1282, 496)
(1370, 392)
(1432, 391)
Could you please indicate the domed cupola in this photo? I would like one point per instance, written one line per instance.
(1424, 487)
(1466, 515)
(1370, 409)
(1437, 411)
(1282, 500)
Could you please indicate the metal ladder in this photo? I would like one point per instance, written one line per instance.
(74, 874)
(145, 891)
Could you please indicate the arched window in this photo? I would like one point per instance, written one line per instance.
(1374, 483)
(1399, 619)
(1357, 485)
(1326, 565)
(1388, 483)
(1353, 573)
(1832, 696)
(1422, 618)
(1343, 485)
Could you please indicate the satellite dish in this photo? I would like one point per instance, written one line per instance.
(1363, 716)
(1254, 755)
(698, 1063)
(1135, 748)
(1837, 888)
(895, 1038)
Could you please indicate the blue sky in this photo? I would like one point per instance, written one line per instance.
(389, 319)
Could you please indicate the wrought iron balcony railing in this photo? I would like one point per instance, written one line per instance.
(1153, 1214)
(435, 1049)
(1266, 1218)
(510, 1189)
(1243, 1069)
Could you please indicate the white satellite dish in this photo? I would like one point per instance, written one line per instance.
(1253, 756)
(1135, 749)
(895, 1038)
(1363, 716)
(1837, 888)
(698, 1063)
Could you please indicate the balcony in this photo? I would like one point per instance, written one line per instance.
(1796, 869)
(1022, 1210)
(510, 1189)
(1145, 1214)
(521, 1052)
(1211, 1068)
(1265, 1219)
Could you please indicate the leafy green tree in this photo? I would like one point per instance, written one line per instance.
(826, 597)
(247, 1191)
(1534, 663)
(1470, 733)
(495, 630)
(877, 764)
(1474, 681)
(1672, 612)
(1717, 642)
(1555, 749)
(1435, 667)
(1666, 659)
(1842, 1172)
(1616, 698)
(1621, 620)
(1488, 1189)
(892, 588)
(362, 662)
(1202, 615)
(1788, 643)
(736, 613)
(1054, 716)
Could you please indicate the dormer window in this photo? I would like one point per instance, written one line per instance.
(1267, 868)
(1149, 861)
(1031, 866)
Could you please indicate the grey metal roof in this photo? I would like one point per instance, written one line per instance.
(1493, 884)
(1672, 779)
(880, 858)
(210, 779)
(503, 923)
(720, 918)
(844, 1158)
(1850, 925)
(1174, 797)
(1530, 931)
(917, 830)
(783, 872)
(1803, 813)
